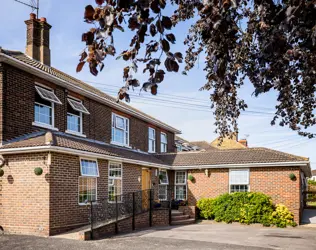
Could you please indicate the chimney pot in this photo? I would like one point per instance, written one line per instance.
(43, 19)
(32, 16)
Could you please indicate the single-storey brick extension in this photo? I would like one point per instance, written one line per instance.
(64, 142)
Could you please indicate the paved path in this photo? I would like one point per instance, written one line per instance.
(198, 236)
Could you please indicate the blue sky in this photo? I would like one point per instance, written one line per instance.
(179, 102)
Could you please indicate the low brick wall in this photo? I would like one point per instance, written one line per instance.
(160, 217)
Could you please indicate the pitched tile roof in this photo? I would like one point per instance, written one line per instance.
(233, 156)
(65, 77)
(192, 158)
(87, 145)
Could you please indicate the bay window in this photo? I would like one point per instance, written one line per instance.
(120, 130)
(151, 140)
(238, 180)
(163, 185)
(115, 181)
(163, 142)
(88, 180)
(180, 185)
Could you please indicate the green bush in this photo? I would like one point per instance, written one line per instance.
(282, 217)
(311, 182)
(247, 208)
(205, 206)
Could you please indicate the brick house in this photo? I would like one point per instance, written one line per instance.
(89, 146)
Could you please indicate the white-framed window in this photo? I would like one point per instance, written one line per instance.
(163, 185)
(179, 148)
(163, 142)
(44, 107)
(115, 181)
(180, 185)
(75, 110)
(238, 180)
(120, 130)
(151, 140)
(89, 172)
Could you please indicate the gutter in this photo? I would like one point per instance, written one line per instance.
(15, 62)
(56, 149)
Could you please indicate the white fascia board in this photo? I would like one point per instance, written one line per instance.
(249, 165)
(80, 153)
(14, 62)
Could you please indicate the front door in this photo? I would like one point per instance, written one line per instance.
(146, 185)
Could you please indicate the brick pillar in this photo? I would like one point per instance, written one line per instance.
(33, 37)
(44, 42)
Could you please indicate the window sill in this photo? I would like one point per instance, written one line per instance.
(43, 125)
(88, 203)
(152, 152)
(75, 133)
(120, 144)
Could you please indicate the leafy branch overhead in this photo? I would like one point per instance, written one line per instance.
(270, 42)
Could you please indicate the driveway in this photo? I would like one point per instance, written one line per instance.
(198, 236)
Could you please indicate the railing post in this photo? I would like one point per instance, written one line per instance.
(133, 219)
(91, 220)
(116, 215)
(150, 208)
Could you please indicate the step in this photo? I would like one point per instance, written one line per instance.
(176, 212)
(180, 217)
(183, 222)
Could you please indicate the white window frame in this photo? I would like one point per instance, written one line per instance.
(165, 185)
(181, 184)
(89, 159)
(126, 130)
(163, 145)
(83, 110)
(239, 169)
(150, 140)
(88, 176)
(80, 133)
(40, 88)
(41, 124)
(115, 178)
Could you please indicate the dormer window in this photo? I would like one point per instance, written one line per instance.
(44, 107)
(120, 130)
(75, 109)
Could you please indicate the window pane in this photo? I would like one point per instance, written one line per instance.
(162, 192)
(89, 168)
(180, 177)
(163, 137)
(239, 176)
(43, 114)
(87, 189)
(238, 188)
(73, 123)
(164, 179)
(115, 181)
(119, 122)
(118, 135)
(181, 192)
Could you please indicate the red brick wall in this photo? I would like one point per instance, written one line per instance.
(207, 186)
(19, 112)
(65, 212)
(273, 181)
(24, 196)
(276, 183)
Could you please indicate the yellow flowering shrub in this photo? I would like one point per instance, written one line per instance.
(282, 217)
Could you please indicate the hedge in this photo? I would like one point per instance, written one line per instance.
(247, 208)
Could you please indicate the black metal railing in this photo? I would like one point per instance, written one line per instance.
(115, 208)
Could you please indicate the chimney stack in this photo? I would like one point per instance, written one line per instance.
(37, 40)
(243, 142)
